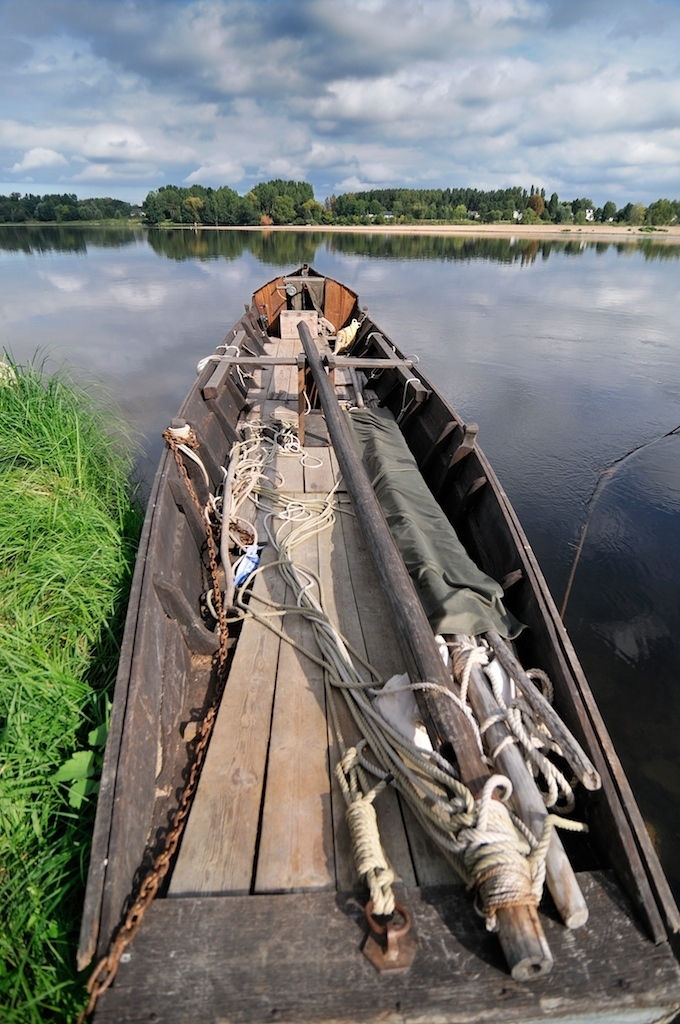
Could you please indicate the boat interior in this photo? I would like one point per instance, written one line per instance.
(259, 913)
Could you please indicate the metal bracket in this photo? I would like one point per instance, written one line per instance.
(390, 947)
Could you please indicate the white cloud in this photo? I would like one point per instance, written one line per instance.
(133, 295)
(209, 173)
(481, 93)
(39, 157)
(113, 142)
(108, 173)
(65, 283)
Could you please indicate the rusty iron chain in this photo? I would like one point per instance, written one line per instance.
(104, 973)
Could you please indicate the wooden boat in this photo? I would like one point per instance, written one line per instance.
(223, 883)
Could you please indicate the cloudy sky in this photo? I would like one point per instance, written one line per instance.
(117, 97)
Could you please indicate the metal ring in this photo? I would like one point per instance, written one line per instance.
(381, 929)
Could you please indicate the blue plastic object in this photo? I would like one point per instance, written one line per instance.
(247, 564)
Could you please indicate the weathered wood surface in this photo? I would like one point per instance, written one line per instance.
(218, 852)
(294, 958)
(338, 303)
(296, 842)
(218, 848)
(99, 857)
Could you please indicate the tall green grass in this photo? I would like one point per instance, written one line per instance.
(69, 526)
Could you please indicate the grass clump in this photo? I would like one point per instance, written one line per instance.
(69, 526)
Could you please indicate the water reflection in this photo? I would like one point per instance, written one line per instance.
(275, 248)
(497, 250)
(45, 238)
(283, 248)
(624, 617)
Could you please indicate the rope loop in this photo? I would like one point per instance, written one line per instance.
(369, 856)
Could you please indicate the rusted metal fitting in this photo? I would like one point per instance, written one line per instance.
(390, 946)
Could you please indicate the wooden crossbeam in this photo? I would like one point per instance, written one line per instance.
(362, 363)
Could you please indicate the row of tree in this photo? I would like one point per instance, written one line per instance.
(292, 202)
(270, 202)
(512, 204)
(18, 209)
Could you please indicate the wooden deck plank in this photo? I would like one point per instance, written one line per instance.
(316, 431)
(381, 644)
(283, 385)
(218, 848)
(297, 958)
(291, 472)
(337, 473)
(342, 610)
(258, 391)
(280, 395)
(296, 845)
(382, 648)
(319, 477)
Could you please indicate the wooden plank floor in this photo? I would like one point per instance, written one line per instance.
(296, 847)
(268, 816)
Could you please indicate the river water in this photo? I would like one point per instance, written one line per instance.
(566, 353)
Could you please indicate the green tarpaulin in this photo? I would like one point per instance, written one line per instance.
(456, 595)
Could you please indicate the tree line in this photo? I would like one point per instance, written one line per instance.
(281, 202)
(18, 209)
(270, 202)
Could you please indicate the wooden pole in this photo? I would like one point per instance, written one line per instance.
(529, 805)
(520, 930)
(574, 753)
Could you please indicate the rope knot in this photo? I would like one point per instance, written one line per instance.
(497, 858)
(369, 856)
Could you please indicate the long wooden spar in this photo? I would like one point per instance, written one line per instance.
(519, 928)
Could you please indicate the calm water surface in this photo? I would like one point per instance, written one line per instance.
(566, 353)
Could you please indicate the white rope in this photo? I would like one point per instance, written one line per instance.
(369, 856)
(532, 736)
(404, 405)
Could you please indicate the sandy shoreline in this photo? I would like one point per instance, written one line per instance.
(548, 232)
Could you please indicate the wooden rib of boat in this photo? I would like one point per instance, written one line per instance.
(259, 913)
